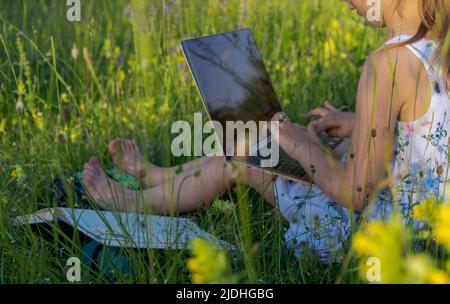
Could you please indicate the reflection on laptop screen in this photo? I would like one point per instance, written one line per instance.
(231, 77)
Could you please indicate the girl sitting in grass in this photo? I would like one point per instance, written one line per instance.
(397, 147)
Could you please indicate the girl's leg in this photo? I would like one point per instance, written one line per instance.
(184, 193)
(126, 155)
(342, 148)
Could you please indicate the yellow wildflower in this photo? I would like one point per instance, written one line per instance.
(425, 211)
(417, 268)
(120, 75)
(82, 107)
(165, 108)
(38, 119)
(65, 97)
(207, 264)
(17, 172)
(117, 51)
(443, 235)
(335, 25)
(21, 88)
(348, 38)
(107, 48)
(363, 245)
(131, 62)
(384, 242)
(442, 229)
(75, 134)
(330, 48)
(419, 212)
(152, 117)
(19, 175)
(436, 276)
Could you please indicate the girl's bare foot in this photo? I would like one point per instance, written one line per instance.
(126, 155)
(104, 192)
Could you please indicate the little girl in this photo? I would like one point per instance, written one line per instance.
(397, 147)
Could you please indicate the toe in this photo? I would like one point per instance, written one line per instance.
(87, 166)
(96, 166)
(95, 162)
(88, 177)
(91, 161)
(113, 146)
(88, 169)
(133, 145)
(88, 181)
(128, 146)
(92, 166)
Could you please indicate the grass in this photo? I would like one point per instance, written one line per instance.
(67, 89)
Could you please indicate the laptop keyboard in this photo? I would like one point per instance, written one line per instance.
(290, 166)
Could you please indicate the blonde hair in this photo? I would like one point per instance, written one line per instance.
(435, 16)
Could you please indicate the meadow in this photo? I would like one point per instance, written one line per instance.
(68, 88)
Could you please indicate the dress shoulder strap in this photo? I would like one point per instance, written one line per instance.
(424, 49)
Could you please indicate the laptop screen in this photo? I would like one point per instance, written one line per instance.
(231, 77)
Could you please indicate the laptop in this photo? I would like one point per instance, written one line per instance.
(234, 85)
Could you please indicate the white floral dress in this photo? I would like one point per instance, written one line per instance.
(419, 166)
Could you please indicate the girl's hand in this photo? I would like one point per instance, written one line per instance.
(290, 136)
(335, 123)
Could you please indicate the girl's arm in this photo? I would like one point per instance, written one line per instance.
(377, 108)
(332, 121)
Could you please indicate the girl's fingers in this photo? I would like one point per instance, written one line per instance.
(281, 117)
(312, 127)
(312, 131)
(321, 125)
(329, 106)
(316, 112)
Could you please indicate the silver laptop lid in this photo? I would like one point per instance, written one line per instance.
(231, 77)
